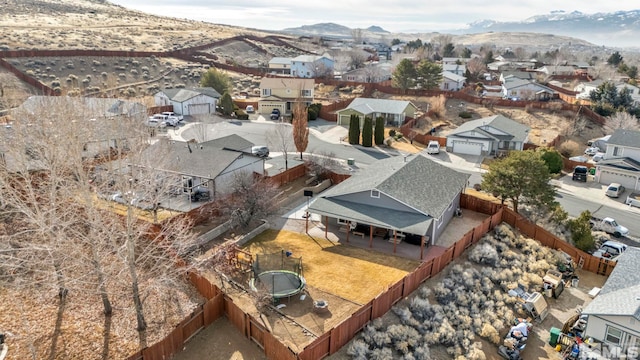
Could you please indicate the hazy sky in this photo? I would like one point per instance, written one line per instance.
(392, 15)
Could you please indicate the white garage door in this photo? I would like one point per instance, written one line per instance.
(471, 148)
(195, 109)
(607, 177)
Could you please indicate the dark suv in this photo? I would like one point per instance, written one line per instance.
(580, 173)
(275, 114)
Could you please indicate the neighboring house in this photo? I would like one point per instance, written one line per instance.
(494, 136)
(194, 101)
(558, 70)
(455, 61)
(613, 316)
(512, 75)
(280, 65)
(100, 117)
(526, 90)
(452, 82)
(393, 111)
(585, 88)
(282, 93)
(621, 162)
(212, 165)
(412, 195)
(455, 68)
(311, 66)
(373, 73)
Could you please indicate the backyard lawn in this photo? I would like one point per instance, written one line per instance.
(352, 273)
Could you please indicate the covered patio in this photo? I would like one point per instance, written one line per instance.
(375, 240)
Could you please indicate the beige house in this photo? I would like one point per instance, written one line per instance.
(282, 93)
(393, 111)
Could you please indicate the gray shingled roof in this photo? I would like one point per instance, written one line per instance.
(384, 106)
(518, 131)
(418, 182)
(182, 95)
(625, 163)
(620, 295)
(624, 137)
(206, 160)
(230, 142)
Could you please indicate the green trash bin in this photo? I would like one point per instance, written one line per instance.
(351, 161)
(554, 334)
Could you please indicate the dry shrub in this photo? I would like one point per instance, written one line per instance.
(490, 333)
(438, 106)
(568, 148)
(476, 352)
(554, 107)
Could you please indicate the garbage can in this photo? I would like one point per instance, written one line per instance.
(351, 161)
(554, 334)
(574, 281)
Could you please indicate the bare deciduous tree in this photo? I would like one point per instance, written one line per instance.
(281, 139)
(621, 120)
(252, 199)
(58, 234)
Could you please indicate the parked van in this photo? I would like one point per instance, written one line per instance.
(249, 109)
(614, 190)
(261, 151)
(580, 173)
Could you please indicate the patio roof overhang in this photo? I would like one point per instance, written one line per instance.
(407, 222)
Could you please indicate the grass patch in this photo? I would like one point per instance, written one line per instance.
(352, 273)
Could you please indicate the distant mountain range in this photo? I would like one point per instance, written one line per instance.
(617, 29)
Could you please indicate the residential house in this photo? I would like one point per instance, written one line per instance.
(511, 75)
(280, 65)
(558, 70)
(494, 136)
(613, 316)
(526, 90)
(311, 66)
(586, 87)
(455, 60)
(451, 81)
(393, 111)
(621, 162)
(102, 119)
(212, 165)
(457, 69)
(194, 101)
(371, 73)
(410, 195)
(282, 93)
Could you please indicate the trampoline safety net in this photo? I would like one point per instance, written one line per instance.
(276, 261)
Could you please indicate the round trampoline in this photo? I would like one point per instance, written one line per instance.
(279, 283)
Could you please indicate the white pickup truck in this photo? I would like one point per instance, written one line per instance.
(610, 250)
(608, 225)
(174, 115)
(633, 200)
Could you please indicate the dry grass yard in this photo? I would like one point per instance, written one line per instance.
(349, 272)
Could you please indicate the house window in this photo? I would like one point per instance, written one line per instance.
(266, 92)
(306, 93)
(613, 335)
(375, 194)
(617, 151)
(342, 221)
(446, 86)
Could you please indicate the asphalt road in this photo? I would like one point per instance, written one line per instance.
(574, 205)
(257, 133)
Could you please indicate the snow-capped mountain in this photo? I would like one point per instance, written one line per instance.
(621, 28)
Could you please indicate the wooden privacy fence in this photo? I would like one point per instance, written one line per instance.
(219, 304)
(289, 175)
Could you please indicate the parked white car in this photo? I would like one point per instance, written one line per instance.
(433, 147)
(614, 190)
(592, 151)
(172, 114)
